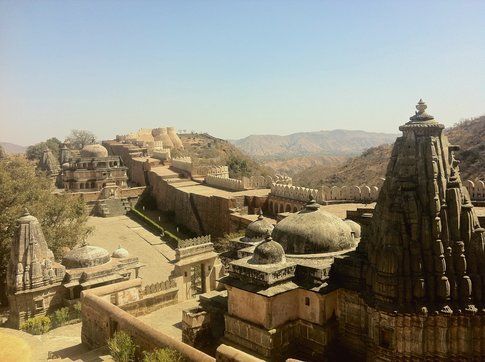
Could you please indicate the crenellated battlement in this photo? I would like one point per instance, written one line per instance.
(349, 193)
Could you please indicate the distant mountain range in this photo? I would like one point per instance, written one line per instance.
(370, 167)
(11, 148)
(321, 143)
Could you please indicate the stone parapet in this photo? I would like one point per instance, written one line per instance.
(224, 183)
(476, 189)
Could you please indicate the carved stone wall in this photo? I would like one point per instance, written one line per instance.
(376, 335)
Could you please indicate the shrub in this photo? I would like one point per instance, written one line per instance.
(121, 347)
(76, 311)
(60, 317)
(163, 355)
(37, 325)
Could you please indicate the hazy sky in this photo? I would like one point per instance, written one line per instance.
(234, 68)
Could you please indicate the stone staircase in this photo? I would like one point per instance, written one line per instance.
(113, 207)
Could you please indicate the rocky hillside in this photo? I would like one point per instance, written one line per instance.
(321, 143)
(11, 148)
(370, 167)
(207, 150)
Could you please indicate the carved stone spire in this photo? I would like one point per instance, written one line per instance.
(425, 246)
(31, 261)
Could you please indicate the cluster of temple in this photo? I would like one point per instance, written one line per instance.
(37, 284)
(404, 281)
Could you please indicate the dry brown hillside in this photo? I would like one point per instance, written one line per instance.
(370, 167)
(205, 149)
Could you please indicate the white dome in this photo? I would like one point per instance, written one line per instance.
(120, 253)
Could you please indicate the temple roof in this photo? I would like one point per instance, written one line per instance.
(313, 230)
(94, 151)
(85, 256)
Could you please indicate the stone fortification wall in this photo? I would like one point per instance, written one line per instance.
(177, 142)
(349, 193)
(225, 183)
(101, 319)
(201, 214)
(247, 183)
(476, 189)
(183, 164)
(294, 192)
(204, 170)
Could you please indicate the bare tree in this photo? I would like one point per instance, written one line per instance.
(80, 138)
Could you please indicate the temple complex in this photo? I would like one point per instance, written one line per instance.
(405, 283)
(37, 284)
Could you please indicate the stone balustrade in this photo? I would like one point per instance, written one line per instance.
(194, 241)
(476, 189)
(159, 287)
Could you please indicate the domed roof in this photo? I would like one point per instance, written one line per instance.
(120, 253)
(268, 252)
(85, 256)
(95, 150)
(355, 227)
(259, 228)
(313, 231)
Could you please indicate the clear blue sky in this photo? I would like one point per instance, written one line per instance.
(234, 68)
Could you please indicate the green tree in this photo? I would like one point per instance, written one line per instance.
(2, 153)
(35, 152)
(63, 218)
(80, 138)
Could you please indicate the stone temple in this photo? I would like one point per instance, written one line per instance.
(403, 281)
(37, 284)
(406, 284)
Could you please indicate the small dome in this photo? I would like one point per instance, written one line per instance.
(259, 228)
(120, 253)
(268, 252)
(355, 227)
(95, 151)
(85, 257)
(313, 231)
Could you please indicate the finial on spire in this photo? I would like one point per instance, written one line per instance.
(260, 214)
(26, 212)
(312, 204)
(420, 114)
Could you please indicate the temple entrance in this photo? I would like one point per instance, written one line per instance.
(197, 280)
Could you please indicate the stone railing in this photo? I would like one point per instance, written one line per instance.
(476, 189)
(194, 241)
(194, 246)
(100, 318)
(183, 164)
(159, 287)
(224, 183)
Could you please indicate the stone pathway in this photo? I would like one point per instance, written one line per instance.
(149, 248)
(169, 319)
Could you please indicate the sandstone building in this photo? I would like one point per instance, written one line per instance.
(93, 170)
(406, 284)
(37, 284)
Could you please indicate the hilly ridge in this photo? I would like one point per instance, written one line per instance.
(319, 143)
(370, 167)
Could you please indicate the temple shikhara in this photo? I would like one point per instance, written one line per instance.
(400, 277)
